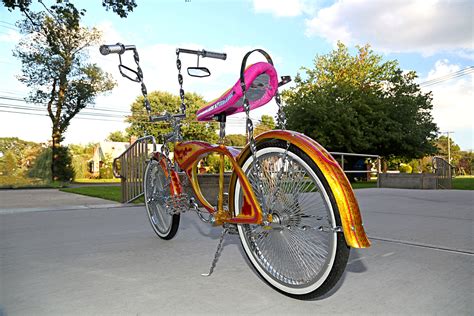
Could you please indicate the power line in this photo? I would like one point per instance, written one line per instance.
(8, 27)
(12, 92)
(233, 121)
(8, 23)
(46, 115)
(87, 108)
(450, 76)
(25, 110)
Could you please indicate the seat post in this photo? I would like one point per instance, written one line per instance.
(221, 118)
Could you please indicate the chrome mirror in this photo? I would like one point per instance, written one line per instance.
(199, 72)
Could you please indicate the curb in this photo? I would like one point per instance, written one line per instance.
(65, 208)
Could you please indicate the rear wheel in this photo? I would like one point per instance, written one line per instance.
(157, 196)
(302, 255)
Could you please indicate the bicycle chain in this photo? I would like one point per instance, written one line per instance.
(164, 148)
(180, 81)
(139, 73)
(281, 116)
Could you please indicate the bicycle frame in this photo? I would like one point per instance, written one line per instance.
(187, 156)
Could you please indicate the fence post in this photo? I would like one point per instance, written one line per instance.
(132, 168)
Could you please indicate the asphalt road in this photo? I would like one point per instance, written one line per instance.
(79, 255)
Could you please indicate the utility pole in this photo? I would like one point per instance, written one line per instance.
(449, 147)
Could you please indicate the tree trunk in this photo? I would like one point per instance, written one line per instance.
(55, 154)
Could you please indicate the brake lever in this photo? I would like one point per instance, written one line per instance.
(284, 80)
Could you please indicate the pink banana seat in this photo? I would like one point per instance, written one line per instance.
(261, 81)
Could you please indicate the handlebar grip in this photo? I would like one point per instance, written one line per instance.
(208, 54)
(118, 48)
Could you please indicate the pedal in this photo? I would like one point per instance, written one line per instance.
(217, 254)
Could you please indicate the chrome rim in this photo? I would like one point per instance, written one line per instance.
(156, 194)
(298, 252)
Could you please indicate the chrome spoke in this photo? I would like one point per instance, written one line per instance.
(156, 195)
(294, 252)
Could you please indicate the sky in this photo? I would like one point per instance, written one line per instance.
(433, 38)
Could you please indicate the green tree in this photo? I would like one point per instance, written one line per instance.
(166, 102)
(24, 151)
(465, 165)
(55, 67)
(454, 149)
(64, 169)
(81, 155)
(362, 104)
(266, 123)
(121, 7)
(10, 164)
(237, 140)
(41, 168)
(118, 136)
(106, 170)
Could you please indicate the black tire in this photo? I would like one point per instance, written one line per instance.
(156, 191)
(291, 256)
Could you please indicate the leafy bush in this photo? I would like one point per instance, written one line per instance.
(105, 171)
(9, 164)
(213, 161)
(415, 166)
(81, 155)
(404, 168)
(42, 166)
(64, 170)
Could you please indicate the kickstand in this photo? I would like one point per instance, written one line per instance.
(217, 254)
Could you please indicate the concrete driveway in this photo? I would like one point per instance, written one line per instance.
(107, 261)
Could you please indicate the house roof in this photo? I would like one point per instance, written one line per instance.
(111, 149)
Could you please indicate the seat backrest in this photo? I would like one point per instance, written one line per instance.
(261, 81)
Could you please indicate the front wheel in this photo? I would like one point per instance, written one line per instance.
(302, 254)
(157, 196)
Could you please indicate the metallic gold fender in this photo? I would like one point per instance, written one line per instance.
(175, 185)
(353, 229)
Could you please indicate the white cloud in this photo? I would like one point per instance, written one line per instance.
(283, 8)
(442, 68)
(453, 101)
(425, 26)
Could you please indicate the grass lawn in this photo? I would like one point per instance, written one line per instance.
(463, 183)
(19, 182)
(364, 185)
(112, 193)
(114, 180)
